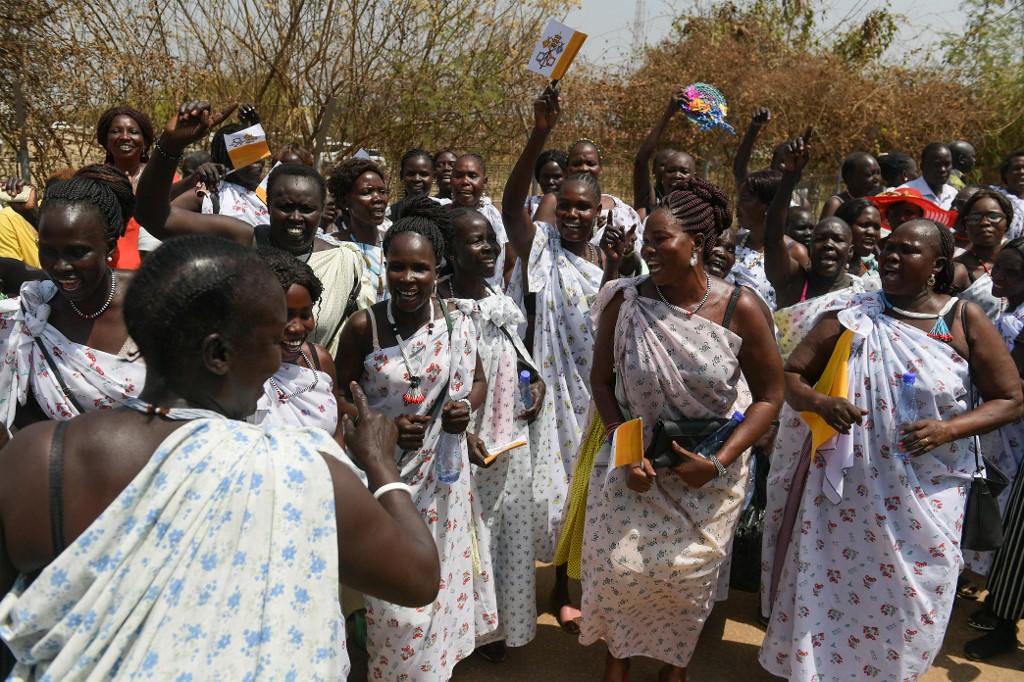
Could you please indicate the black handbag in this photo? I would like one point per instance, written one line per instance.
(745, 573)
(687, 433)
(983, 521)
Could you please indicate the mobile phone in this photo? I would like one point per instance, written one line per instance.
(21, 198)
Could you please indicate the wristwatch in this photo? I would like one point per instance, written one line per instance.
(719, 466)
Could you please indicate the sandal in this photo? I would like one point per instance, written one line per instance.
(965, 589)
(982, 619)
(493, 652)
(569, 625)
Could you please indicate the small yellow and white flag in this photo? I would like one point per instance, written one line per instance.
(246, 147)
(555, 50)
(261, 190)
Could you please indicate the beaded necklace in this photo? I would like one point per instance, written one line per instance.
(414, 395)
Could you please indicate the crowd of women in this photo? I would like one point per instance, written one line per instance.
(247, 430)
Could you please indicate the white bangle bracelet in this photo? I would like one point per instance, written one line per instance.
(388, 487)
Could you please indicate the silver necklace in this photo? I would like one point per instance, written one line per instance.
(282, 396)
(684, 311)
(103, 308)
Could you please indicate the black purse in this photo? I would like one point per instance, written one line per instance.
(745, 573)
(688, 434)
(983, 522)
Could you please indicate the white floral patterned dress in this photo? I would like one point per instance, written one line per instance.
(748, 270)
(424, 644)
(563, 348)
(503, 492)
(219, 561)
(867, 584)
(316, 407)
(651, 561)
(98, 380)
(792, 323)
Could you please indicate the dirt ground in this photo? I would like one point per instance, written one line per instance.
(727, 651)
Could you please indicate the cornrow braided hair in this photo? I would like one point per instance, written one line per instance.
(107, 119)
(479, 159)
(219, 148)
(586, 140)
(425, 217)
(763, 184)
(586, 179)
(412, 154)
(104, 189)
(290, 270)
(191, 287)
(548, 155)
(701, 207)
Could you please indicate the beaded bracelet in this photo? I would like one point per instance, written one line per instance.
(388, 487)
(469, 405)
(169, 157)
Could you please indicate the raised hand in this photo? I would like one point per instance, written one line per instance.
(761, 116)
(191, 123)
(677, 100)
(546, 109)
(248, 115)
(14, 187)
(617, 242)
(798, 152)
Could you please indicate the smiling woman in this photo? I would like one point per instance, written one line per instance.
(65, 339)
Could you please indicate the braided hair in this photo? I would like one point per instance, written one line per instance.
(701, 207)
(586, 179)
(583, 141)
(415, 153)
(423, 216)
(850, 210)
(191, 287)
(947, 247)
(479, 159)
(296, 170)
(107, 120)
(290, 270)
(101, 188)
(548, 155)
(219, 148)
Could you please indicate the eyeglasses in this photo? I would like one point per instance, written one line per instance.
(975, 218)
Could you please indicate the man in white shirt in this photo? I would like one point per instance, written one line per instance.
(936, 166)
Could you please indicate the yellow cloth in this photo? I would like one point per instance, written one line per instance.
(570, 544)
(834, 382)
(18, 238)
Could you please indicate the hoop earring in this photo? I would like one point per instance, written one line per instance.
(931, 280)
(693, 259)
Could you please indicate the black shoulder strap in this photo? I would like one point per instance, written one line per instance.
(731, 307)
(950, 317)
(57, 488)
(262, 234)
(315, 357)
(57, 375)
(447, 315)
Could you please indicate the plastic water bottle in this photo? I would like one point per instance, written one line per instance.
(713, 443)
(524, 389)
(449, 456)
(906, 409)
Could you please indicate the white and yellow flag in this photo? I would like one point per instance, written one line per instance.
(261, 190)
(248, 146)
(555, 50)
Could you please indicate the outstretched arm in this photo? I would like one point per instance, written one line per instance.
(518, 223)
(643, 191)
(780, 267)
(741, 164)
(153, 209)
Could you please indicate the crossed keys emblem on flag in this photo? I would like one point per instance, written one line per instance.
(248, 138)
(553, 46)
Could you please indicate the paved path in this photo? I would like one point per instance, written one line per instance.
(727, 652)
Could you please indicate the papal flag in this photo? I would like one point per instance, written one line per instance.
(246, 147)
(555, 50)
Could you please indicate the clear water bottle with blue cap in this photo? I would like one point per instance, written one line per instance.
(713, 443)
(449, 456)
(906, 409)
(524, 389)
